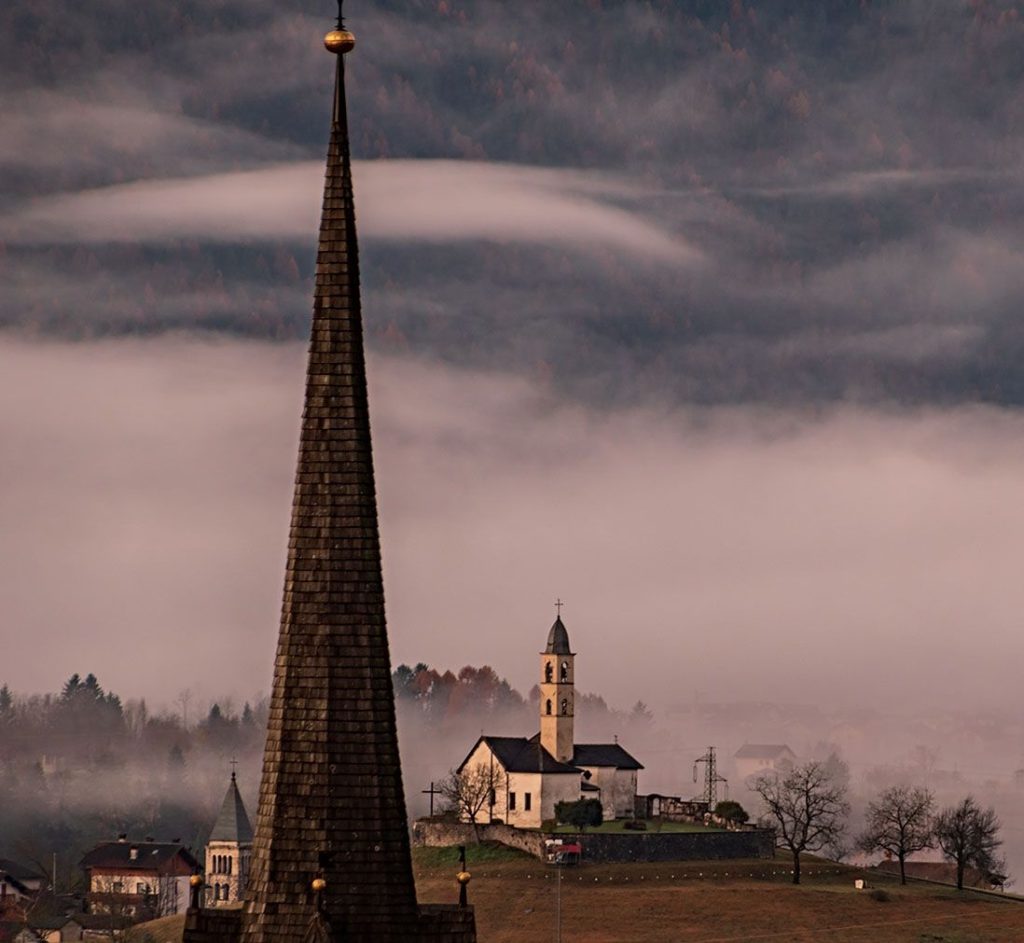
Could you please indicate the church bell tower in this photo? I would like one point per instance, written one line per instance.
(557, 693)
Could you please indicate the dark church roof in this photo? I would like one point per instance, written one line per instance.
(233, 822)
(604, 754)
(164, 857)
(521, 755)
(558, 639)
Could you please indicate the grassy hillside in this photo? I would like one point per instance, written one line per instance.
(700, 902)
(711, 902)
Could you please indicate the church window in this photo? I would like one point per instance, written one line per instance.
(565, 706)
(565, 671)
(511, 802)
(549, 705)
(527, 800)
(494, 797)
(549, 672)
(229, 865)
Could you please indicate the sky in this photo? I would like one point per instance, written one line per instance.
(702, 317)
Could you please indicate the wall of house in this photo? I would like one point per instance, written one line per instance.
(520, 816)
(169, 894)
(558, 787)
(618, 790)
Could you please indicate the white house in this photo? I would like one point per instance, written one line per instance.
(550, 767)
(752, 759)
(139, 879)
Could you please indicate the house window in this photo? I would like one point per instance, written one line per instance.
(511, 802)
(141, 888)
(494, 797)
(118, 887)
(527, 800)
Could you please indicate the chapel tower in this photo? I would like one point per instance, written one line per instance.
(229, 851)
(557, 693)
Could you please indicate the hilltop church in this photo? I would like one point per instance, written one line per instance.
(550, 767)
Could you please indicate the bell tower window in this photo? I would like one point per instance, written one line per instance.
(565, 706)
(549, 672)
(565, 671)
(548, 705)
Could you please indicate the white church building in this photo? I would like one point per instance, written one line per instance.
(550, 767)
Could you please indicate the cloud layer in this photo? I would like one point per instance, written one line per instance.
(775, 555)
(434, 201)
(539, 185)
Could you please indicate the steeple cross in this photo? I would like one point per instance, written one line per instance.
(234, 767)
(558, 607)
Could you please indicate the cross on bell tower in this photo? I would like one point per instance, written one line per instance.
(557, 692)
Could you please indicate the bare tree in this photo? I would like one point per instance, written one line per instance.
(806, 807)
(473, 789)
(900, 823)
(968, 836)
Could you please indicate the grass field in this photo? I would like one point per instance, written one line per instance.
(697, 902)
(708, 902)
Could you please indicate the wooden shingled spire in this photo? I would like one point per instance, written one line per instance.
(331, 805)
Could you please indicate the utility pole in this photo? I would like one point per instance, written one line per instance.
(711, 778)
(558, 903)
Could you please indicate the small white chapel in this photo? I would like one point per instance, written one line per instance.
(550, 767)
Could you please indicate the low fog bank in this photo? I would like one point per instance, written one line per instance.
(716, 564)
(846, 557)
(78, 766)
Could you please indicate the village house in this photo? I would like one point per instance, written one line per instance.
(540, 771)
(752, 759)
(19, 885)
(143, 880)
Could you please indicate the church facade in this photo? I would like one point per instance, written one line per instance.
(550, 767)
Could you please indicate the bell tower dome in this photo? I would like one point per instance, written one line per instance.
(557, 693)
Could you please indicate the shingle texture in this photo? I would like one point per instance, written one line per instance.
(331, 797)
(232, 822)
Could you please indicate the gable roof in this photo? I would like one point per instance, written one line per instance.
(18, 871)
(604, 754)
(762, 751)
(521, 755)
(233, 821)
(165, 857)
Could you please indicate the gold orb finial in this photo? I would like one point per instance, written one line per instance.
(463, 877)
(319, 884)
(196, 880)
(339, 41)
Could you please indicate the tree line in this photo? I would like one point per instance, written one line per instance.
(808, 806)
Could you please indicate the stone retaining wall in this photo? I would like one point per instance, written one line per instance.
(597, 846)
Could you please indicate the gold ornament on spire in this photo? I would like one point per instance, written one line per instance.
(339, 41)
